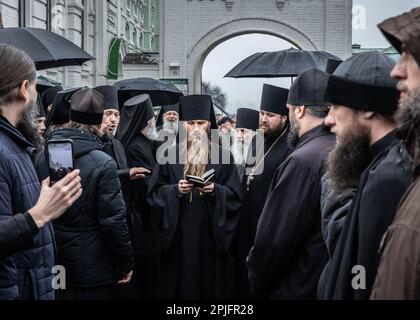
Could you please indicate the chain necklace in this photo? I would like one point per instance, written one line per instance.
(251, 177)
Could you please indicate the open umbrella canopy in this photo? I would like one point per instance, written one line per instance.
(161, 93)
(286, 63)
(46, 48)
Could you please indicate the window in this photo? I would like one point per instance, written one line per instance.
(127, 32)
(48, 15)
(22, 13)
(83, 25)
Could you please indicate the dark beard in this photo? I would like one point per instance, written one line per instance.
(349, 159)
(293, 136)
(28, 128)
(408, 121)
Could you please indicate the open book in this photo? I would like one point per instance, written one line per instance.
(201, 182)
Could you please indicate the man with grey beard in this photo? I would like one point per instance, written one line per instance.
(368, 157)
(136, 132)
(196, 222)
(226, 131)
(247, 124)
(289, 254)
(167, 126)
(398, 273)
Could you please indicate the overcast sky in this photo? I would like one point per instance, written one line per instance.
(247, 92)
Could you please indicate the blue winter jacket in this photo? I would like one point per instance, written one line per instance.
(19, 192)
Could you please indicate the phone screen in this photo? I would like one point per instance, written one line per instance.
(60, 156)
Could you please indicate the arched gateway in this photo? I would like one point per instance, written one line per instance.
(190, 29)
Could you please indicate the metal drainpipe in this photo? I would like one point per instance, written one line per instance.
(66, 17)
(97, 43)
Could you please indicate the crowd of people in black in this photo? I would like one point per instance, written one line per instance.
(313, 196)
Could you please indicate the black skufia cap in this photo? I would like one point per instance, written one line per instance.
(110, 94)
(274, 100)
(48, 96)
(60, 111)
(309, 89)
(248, 119)
(135, 116)
(87, 107)
(165, 109)
(364, 82)
(197, 107)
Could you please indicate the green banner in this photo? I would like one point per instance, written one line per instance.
(114, 59)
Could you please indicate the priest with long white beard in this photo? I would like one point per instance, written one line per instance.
(196, 224)
(247, 124)
(167, 125)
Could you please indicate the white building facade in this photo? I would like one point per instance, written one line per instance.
(170, 39)
(94, 25)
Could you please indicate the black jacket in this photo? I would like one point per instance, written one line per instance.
(19, 192)
(16, 234)
(92, 236)
(373, 208)
(289, 253)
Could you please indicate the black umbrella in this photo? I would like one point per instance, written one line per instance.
(46, 48)
(285, 63)
(161, 93)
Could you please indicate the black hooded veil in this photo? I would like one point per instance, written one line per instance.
(140, 153)
(60, 111)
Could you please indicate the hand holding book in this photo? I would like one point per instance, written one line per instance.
(201, 182)
(207, 189)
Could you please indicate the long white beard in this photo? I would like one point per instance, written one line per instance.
(240, 151)
(240, 148)
(171, 126)
(152, 134)
(237, 151)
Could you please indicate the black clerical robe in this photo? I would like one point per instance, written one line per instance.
(197, 231)
(115, 149)
(289, 253)
(140, 153)
(373, 208)
(254, 200)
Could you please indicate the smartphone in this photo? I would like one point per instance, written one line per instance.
(60, 158)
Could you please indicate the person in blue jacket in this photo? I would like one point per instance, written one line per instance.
(25, 270)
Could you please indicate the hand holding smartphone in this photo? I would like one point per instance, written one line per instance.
(60, 158)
